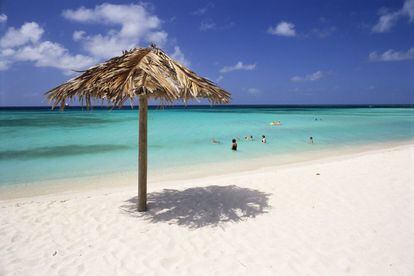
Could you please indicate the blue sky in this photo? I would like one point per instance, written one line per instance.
(263, 52)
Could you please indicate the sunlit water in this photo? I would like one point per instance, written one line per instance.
(37, 145)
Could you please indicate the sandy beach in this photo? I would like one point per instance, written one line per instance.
(206, 138)
(348, 215)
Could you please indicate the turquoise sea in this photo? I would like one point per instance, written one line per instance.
(39, 144)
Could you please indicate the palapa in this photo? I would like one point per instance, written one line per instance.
(146, 73)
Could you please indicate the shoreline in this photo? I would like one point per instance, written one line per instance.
(160, 179)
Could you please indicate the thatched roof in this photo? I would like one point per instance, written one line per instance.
(139, 71)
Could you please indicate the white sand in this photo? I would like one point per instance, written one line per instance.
(355, 218)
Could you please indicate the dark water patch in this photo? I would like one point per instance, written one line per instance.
(58, 121)
(5, 131)
(59, 151)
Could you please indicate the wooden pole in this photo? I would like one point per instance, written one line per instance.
(142, 159)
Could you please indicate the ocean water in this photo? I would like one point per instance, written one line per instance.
(39, 144)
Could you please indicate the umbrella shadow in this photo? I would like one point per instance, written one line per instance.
(201, 206)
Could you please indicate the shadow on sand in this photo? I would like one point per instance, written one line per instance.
(202, 206)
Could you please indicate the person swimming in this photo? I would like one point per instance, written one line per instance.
(264, 139)
(234, 145)
(214, 141)
(311, 140)
(276, 123)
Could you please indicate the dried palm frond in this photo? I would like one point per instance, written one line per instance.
(142, 71)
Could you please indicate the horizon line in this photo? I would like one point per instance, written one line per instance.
(209, 105)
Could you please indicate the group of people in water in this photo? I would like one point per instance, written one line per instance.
(234, 141)
(250, 137)
(247, 138)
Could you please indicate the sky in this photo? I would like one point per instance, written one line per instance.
(262, 52)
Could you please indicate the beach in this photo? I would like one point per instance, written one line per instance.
(350, 214)
(206, 138)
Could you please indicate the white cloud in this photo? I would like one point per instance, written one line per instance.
(219, 79)
(25, 45)
(283, 29)
(386, 22)
(78, 35)
(408, 9)
(158, 38)
(203, 10)
(207, 25)
(82, 14)
(392, 55)
(4, 65)
(253, 91)
(137, 25)
(315, 76)
(311, 77)
(7, 52)
(106, 46)
(211, 25)
(179, 56)
(49, 54)
(297, 79)
(388, 19)
(29, 32)
(128, 26)
(3, 18)
(323, 32)
(238, 66)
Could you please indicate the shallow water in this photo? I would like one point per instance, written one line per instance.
(38, 144)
